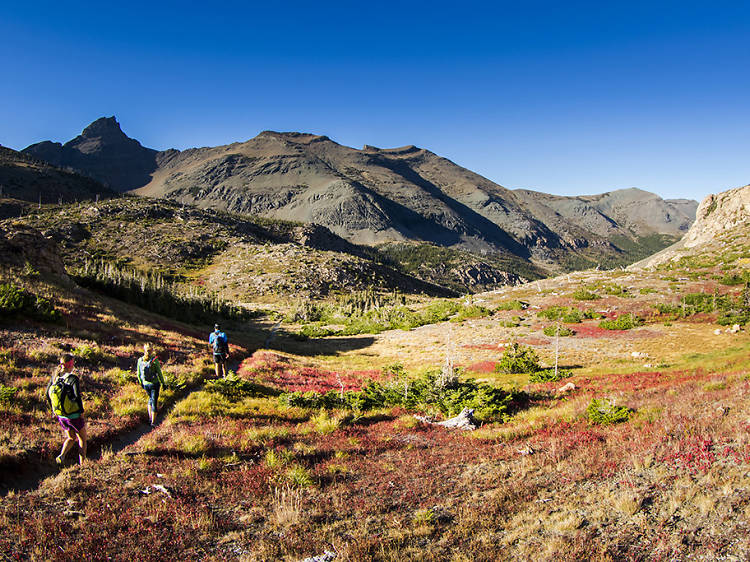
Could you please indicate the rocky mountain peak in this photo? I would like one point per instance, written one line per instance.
(103, 152)
(106, 128)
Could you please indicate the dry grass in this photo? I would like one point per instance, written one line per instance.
(253, 480)
(287, 506)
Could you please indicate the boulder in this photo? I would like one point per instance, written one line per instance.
(464, 420)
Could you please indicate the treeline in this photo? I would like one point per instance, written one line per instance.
(156, 293)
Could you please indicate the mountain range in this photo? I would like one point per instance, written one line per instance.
(379, 196)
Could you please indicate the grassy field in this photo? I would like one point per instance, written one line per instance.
(234, 472)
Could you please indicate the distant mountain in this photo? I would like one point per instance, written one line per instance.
(103, 152)
(625, 212)
(378, 196)
(25, 178)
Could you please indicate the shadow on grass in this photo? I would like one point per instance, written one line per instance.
(320, 346)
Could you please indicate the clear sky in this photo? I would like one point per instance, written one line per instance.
(563, 97)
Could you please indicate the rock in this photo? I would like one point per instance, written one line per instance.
(327, 556)
(734, 329)
(21, 245)
(464, 420)
(566, 388)
(717, 331)
(639, 355)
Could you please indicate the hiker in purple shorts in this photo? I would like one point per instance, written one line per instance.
(64, 395)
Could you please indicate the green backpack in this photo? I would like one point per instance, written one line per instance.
(62, 397)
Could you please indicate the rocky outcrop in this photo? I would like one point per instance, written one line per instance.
(718, 216)
(23, 247)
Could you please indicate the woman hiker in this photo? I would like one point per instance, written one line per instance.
(151, 379)
(64, 395)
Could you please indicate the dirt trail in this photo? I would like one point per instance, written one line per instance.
(29, 474)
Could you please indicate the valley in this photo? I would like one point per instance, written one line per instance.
(611, 405)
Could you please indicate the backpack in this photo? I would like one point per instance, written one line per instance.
(146, 373)
(62, 397)
(221, 347)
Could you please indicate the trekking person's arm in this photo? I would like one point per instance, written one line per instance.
(159, 374)
(138, 372)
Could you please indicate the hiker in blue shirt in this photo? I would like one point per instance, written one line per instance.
(220, 347)
(151, 379)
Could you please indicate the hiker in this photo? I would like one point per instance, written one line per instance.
(220, 347)
(64, 395)
(151, 379)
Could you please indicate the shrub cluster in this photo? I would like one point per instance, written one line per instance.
(584, 294)
(549, 375)
(518, 359)
(7, 393)
(93, 355)
(488, 402)
(606, 412)
(732, 311)
(512, 305)
(735, 278)
(623, 322)
(234, 388)
(389, 317)
(569, 315)
(553, 331)
(15, 301)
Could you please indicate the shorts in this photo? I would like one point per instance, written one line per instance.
(153, 394)
(219, 358)
(71, 424)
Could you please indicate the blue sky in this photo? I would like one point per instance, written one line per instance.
(568, 98)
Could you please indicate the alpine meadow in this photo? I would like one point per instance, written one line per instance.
(281, 308)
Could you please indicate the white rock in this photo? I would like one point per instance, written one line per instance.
(566, 388)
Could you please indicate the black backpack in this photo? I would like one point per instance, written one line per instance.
(221, 347)
(146, 373)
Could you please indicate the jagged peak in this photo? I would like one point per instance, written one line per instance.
(103, 127)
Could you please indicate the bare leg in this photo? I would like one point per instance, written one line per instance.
(82, 444)
(70, 439)
(151, 415)
(218, 370)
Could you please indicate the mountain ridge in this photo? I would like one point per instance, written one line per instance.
(378, 195)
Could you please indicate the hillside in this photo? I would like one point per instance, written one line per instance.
(26, 178)
(378, 196)
(235, 256)
(636, 448)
